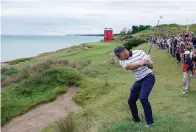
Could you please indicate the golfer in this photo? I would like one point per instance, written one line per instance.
(138, 62)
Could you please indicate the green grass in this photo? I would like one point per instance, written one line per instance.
(10, 72)
(20, 97)
(104, 106)
(106, 87)
(171, 29)
(163, 124)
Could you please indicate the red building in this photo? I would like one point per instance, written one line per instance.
(108, 34)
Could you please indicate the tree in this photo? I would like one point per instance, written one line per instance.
(139, 28)
(135, 29)
(129, 31)
(124, 31)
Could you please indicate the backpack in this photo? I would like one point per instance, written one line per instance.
(184, 67)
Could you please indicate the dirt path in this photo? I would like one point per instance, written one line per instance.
(35, 119)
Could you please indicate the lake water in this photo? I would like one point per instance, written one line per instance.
(14, 47)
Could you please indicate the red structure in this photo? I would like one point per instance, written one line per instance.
(108, 34)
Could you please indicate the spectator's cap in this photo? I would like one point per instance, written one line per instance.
(187, 52)
(118, 49)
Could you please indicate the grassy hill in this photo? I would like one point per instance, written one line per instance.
(104, 89)
(171, 29)
(104, 95)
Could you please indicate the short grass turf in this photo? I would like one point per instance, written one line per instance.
(104, 95)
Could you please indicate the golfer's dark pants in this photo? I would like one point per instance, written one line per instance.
(141, 89)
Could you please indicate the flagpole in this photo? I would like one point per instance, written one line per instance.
(187, 26)
(155, 31)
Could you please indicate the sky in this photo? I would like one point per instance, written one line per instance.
(59, 17)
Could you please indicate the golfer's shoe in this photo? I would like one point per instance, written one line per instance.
(149, 125)
(136, 120)
(185, 92)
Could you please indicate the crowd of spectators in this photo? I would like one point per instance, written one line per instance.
(183, 48)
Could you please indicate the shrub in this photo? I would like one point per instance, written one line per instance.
(9, 80)
(50, 78)
(134, 42)
(91, 89)
(65, 125)
(112, 60)
(81, 64)
(16, 78)
(72, 64)
(20, 97)
(68, 124)
(4, 69)
(126, 37)
(90, 71)
(62, 62)
(10, 72)
(27, 71)
(41, 66)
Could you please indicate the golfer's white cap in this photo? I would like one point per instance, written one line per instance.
(187, 52)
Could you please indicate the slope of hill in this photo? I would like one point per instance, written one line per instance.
(106, 90)
(171, 29)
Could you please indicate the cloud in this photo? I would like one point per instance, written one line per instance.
(90, 16)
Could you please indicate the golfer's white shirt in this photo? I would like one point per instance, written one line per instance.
(140, 72)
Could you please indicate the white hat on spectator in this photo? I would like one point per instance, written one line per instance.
(187, 52)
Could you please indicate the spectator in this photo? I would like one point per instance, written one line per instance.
(171, 45)
(193, 57)
(187, 68)
(168, 44)
(182, 47)
(178, 58)
(176, 46)
(194, 40)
